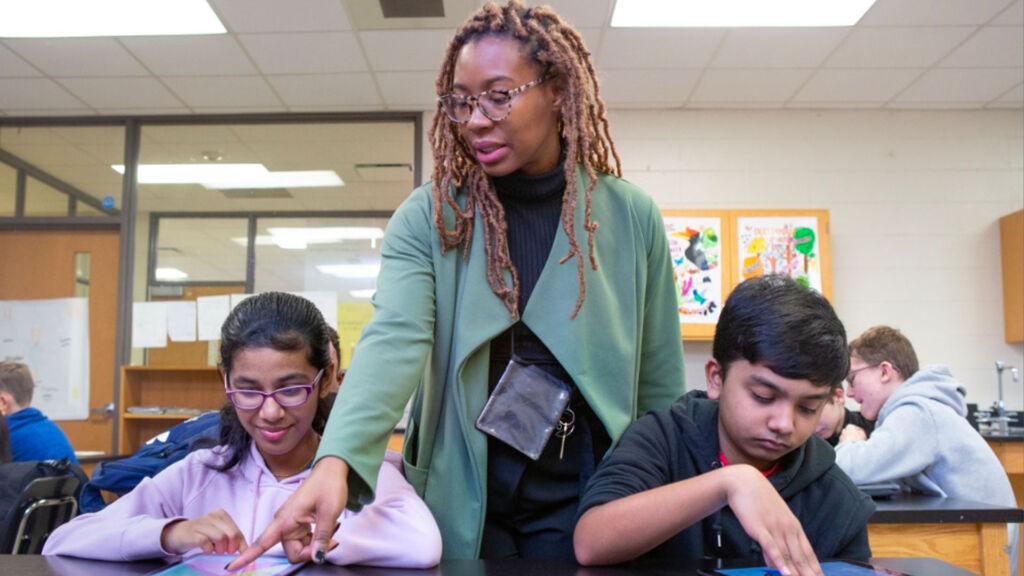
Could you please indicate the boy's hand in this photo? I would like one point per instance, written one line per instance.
(853, 433)
(214, 533)
(769, 521)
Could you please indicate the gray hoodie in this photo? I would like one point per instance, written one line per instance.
(922, 439)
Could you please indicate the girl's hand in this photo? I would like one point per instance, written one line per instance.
(214, 533)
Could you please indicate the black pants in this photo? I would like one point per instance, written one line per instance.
(531, 506)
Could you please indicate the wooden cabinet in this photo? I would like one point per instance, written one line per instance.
(167, 387)
(1011, 241)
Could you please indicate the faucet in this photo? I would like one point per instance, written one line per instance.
(1000, 422)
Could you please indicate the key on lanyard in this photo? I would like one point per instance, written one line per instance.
(566, 425)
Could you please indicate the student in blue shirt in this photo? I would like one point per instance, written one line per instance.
(33, 435)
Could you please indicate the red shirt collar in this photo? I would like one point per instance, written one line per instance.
(767, 473)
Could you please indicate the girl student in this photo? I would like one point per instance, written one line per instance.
(500, 259)
(274, 358)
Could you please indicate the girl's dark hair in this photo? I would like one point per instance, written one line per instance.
(280, 321)
(5, 441)
(785, 326)
(558, 50)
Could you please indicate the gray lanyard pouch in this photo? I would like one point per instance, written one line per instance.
(525, 408)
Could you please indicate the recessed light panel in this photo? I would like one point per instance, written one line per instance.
(79, 18)
(737, 13)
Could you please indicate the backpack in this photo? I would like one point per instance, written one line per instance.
(121, 476)
(16, 476)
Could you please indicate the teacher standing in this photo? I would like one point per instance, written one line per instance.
(500, 260)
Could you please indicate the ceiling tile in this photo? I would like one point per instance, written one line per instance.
(240, 91)
(628, 87)
(777, 48)
(278, 16)
(408, 90)
(632, 48)
(405, 50)
(896, 47)
(36, 93)
(991, 47)
(961, 85)
(1012, 16)
(1011, 99)
(138, 93)
(932, 12)
(330, 91)
(752, 85)
(589, 14)
(191, 55)
(313, 53)
(78, 56)
(863, 86)
(12, 65)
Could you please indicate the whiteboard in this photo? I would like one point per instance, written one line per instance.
(52, 338)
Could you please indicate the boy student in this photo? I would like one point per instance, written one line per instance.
(737, 472)
(33, 435)
(835, 417)
(922, 438)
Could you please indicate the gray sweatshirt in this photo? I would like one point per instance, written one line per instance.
(923, 440)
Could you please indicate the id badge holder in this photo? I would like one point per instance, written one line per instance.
(524, 408)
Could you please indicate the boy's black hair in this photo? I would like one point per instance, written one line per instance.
(782, 325)
(282, 322)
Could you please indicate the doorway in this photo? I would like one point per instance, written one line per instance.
(45, 264)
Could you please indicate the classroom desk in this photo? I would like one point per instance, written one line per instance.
(59, 566)
(1010, 451)
(971, 535)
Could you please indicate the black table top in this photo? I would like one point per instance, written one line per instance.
(920, 509)
(63, 566)
(1007, 438)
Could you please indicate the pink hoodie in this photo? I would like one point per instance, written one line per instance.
(396, 530)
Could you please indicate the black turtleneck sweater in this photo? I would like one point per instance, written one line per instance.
(533, 210)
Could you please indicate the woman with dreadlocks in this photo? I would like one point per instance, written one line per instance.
(496, 282)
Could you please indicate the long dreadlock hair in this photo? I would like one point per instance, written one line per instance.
(559, 50)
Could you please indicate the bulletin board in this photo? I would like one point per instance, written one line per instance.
(714, 250)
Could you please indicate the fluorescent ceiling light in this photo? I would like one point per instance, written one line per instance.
(170, 274)
(284, 179)
(230, 176)
(299, 238)
(78, 18)
(368, 293)
(737, 13)
(261, 240)
(350, 270)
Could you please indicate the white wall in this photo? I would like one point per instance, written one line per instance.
(914, 198)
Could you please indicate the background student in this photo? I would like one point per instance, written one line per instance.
(737, 472)
(922, 438)
(33, 435)
(835, 417)
(274, 357)
(500, 258)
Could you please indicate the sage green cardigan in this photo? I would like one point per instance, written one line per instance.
(435, 316)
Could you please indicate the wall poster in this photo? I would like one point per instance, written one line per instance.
(787, 245)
